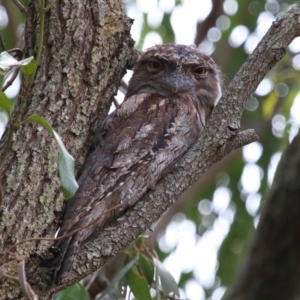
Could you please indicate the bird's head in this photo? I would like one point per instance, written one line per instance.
(176, 69)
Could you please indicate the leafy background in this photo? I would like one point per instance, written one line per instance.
(204, 235)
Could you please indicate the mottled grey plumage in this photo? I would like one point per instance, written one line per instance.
(170, 96)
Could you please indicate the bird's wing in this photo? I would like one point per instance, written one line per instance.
(119, 115)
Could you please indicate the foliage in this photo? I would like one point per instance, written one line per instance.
(76, 291)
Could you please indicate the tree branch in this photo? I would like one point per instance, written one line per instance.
(220, 137)
(210, 21)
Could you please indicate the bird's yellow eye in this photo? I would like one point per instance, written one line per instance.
(200, 70)
(154, 65)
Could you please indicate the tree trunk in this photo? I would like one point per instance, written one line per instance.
(271, 269)
(86, 47)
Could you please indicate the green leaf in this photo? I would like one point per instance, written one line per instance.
(5, 103)
(168, 283)
(74, 292)
(120, 276)
(147, 268)
(138, 285)
(29, 68)
(66, 164)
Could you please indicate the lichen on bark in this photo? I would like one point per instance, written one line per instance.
(86, 47)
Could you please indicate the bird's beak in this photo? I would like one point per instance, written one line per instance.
(177, 83)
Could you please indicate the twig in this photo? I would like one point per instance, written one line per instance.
(12, 278)
(20, 6)
(123, 87)
(56, 239)
(19, 54)
(47, 8)
(210, 21)
(11, 80)
(17, 51)
(8, 264)
(116, 103)
(22, 280)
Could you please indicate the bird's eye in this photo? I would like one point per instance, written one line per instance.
(200, 70)
(154, 65)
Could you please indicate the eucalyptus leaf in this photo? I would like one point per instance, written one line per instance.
(138, 284)
(5, 103)
(74, 292)
(147, 268)
(120, 276)
(29, 68)
(168, 283)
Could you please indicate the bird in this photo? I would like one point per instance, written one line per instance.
(171, 95)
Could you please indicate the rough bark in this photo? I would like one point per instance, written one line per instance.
(69, 93)
(86, 47)
(271, 269)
